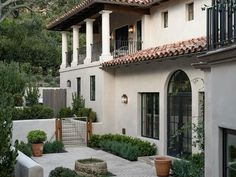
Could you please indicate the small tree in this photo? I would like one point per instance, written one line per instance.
(77, 103)
(32, 96)
(7, 153)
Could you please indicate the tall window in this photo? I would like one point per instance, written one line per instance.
(150, 115)
(229, 153)
(92, 88)
(190, 11)
(165, 19)
(78, 86)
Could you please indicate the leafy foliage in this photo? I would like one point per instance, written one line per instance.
(32, 96)
(34, 112)
(77, 102)
(65, 112)
(53, 147)
(191, 167)
(143, 148)
(36, 136)
(24, 148)
(7, 153)
(11, 78)
(62, 172)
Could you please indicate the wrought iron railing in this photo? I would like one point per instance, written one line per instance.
(125, 47)
(221, 24)
(96, 51)
(69, 56)
(81, 55)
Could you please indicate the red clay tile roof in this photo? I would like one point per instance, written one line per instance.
(170, 50)
(85, 3)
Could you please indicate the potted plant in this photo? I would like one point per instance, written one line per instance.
(162, 165)
(36, 138)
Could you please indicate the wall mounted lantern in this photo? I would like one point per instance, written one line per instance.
(124, 99)
(68, 83)
(131, 29)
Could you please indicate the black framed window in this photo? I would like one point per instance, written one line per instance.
(79, 86)
(190, 11)
(165, 19)
(229, 153)
(150, 115)
(92, 88)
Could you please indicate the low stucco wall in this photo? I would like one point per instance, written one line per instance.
(22, 127)
(26, 167)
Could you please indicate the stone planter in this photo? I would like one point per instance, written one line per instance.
(91, 167)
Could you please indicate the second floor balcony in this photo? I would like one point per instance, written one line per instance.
(221, 24)
(111, 31)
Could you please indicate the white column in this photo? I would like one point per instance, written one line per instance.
(64, 49)
(75, 45)
(89, 40)
(106, 54)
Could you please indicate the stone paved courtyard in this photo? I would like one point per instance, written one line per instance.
(116, 165)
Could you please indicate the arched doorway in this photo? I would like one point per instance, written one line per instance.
(179, 115)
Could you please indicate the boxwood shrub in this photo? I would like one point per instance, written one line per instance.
(34, 112)
(24, 148)
(111, 142)
(62, 172)
(53, 147)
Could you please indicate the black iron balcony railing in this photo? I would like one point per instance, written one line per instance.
(221, 24)
(125, 47)
(81, 55)
(69, 56)
(96, 51)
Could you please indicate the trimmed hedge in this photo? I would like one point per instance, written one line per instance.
(34, 112)
(65, 112)
(24, 148)
(124, 146)
(53, 147)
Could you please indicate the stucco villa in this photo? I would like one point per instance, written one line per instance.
(135, 70)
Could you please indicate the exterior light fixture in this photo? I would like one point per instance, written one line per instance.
(68, 83)
(124, 99)
(131, 29)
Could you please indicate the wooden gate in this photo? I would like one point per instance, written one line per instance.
(54, 98)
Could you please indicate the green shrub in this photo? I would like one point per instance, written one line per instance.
(18, 99)
(193, 167)
(62, 172)
(41, 112)
(24, 148)
(65, 112)
(143, 148)
(94, 141)
(36, 136)
(77, 103)
(32, 96)
(87, 112)
(53, 147)
(34, 112)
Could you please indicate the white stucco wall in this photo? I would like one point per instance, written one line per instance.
(179, 28)
(152, 77)
(220, 113)
(22, 127)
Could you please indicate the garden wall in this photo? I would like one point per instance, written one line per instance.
(22, 127)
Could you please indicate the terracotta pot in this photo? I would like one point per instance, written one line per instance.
(162, 165)
(37, 150)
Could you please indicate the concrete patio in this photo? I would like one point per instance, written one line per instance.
(116, 165)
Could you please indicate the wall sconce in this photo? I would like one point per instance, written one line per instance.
(131, 29)
(124, 99)
(68, 83)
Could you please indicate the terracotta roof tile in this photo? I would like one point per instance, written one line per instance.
(85, 3)
(169, 50)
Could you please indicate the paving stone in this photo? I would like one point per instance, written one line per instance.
(116, 165)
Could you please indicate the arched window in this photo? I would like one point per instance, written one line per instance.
(179, 115)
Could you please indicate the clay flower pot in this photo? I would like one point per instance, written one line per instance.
(162, 165)
(37, 149)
